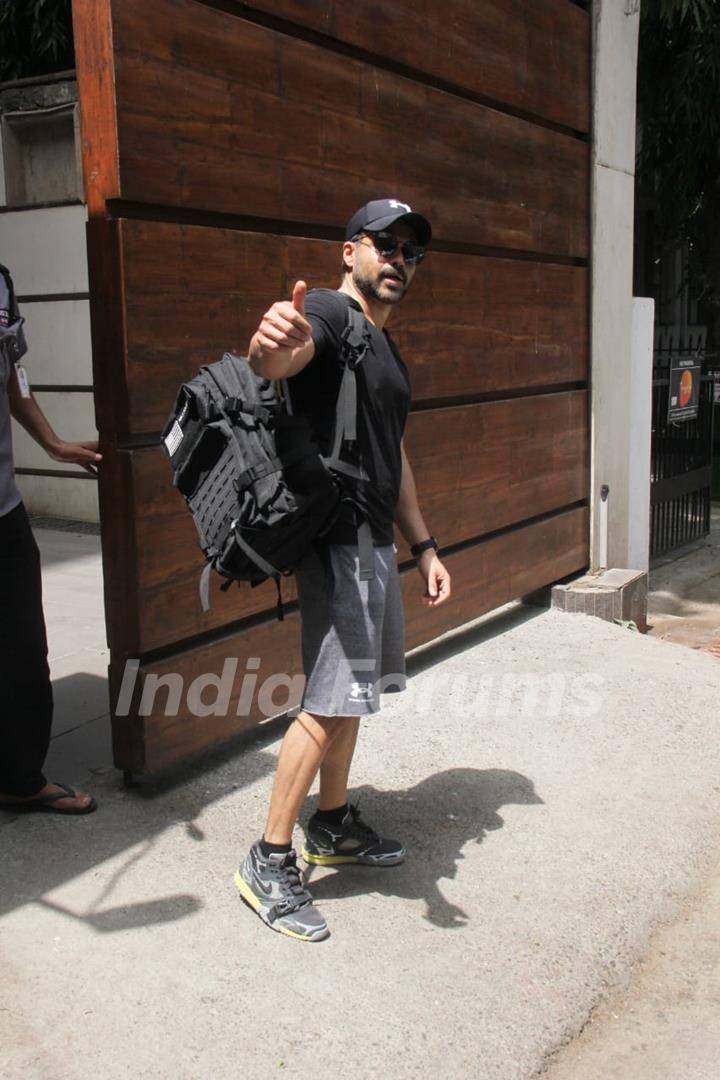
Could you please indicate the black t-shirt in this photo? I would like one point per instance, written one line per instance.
(383, 404)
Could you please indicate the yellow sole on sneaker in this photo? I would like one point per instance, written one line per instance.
(327, 860)
(249, 897)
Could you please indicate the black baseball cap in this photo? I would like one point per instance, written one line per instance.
(380, 213)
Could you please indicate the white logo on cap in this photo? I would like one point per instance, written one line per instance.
(399, 205)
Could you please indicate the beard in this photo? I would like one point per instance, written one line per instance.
(378, 289)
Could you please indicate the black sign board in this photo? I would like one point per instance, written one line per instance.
(684, 393)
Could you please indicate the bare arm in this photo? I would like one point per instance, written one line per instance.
(28, 413)
(408, 517)
(411, 524)
(282, 344)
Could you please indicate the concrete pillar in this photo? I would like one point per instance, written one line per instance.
(615, 529)
(638, 506)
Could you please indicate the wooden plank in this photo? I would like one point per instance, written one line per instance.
(480, 325)
(469, 325)
(534, 57)
(483, 467)
(218, 114)
(146, 743)
(115, 492)
(485, 576)
(478, 468)
(92, 34)
(498, 570)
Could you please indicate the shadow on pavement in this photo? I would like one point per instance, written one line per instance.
(131, 916)
(434, 820)
(41, 852)
(79, 698)
(61, 546)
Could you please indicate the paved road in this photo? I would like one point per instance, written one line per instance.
(666, 1023)
(555, 779)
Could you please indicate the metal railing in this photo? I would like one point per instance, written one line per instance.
(681, 455)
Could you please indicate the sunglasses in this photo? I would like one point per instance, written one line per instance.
(387, 243)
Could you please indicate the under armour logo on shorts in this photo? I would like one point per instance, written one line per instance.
(361, 690)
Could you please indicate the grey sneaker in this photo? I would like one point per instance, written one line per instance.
(273, 888)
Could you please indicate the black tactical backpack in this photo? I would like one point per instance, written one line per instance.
(255, 482)
(12, 336)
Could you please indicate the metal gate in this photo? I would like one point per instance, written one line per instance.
(681, 463)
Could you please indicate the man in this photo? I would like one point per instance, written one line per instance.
(353, 633)
(26, 702)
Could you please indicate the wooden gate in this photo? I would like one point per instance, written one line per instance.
(225, 145)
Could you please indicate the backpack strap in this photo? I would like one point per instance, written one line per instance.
(272, 465)
(355, 344)
(262, 564)
(366, 551)
(354, 347)
(235, 406)
(204, 587)
(259, 472)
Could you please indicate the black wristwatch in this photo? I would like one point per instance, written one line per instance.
(424, 545)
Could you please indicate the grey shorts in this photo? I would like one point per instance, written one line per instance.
(353, 631)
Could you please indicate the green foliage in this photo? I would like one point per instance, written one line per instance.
(35, 38)
(679, 102)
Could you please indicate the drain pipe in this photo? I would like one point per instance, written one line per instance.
(603, 559)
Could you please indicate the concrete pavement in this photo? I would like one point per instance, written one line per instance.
(555, 779)
(666, 1022)
(684, 592)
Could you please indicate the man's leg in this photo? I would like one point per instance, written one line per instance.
(26, 691)
(345, 647)
(335, 768)
(26, 704)
(307, 742)
(336, 833)
(268, 878)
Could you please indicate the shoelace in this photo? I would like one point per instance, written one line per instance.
(289, 876)
(360, 827)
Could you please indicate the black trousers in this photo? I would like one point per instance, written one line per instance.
(26, 702)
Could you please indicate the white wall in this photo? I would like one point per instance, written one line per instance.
(614, 396)
(46, 249)
(58, 333)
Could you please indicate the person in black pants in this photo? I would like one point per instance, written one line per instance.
(26, 702)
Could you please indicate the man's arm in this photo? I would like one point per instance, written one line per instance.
(411, 524)
(408, 517)
(282, 344)
(28, 413)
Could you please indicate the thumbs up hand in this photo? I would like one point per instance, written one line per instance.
(282, 333)
(298, 297)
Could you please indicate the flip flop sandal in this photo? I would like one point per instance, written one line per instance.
(45, 804)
